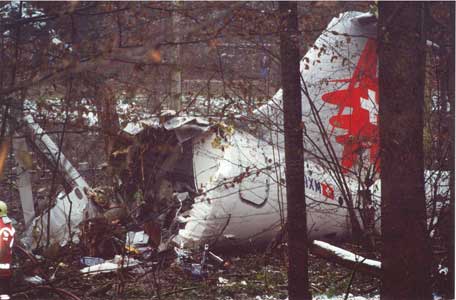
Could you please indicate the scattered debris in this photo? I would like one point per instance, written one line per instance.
(105, 267)
(198, 270)
(137, 239)
(91, 261)
(224, 282)
(345, 297)
(118, 262)
(36, 280)
(443, 270)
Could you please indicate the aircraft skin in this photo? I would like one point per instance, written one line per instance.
(245, 201)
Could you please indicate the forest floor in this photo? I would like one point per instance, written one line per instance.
(257, 276)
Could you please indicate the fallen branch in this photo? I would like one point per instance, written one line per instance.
(182, 290)
(345, 258)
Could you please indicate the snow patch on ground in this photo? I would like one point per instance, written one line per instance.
(325, 297)
(342, 297)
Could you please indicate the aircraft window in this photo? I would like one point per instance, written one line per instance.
(340, 200)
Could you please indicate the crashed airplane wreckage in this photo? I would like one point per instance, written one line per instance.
(195, 182)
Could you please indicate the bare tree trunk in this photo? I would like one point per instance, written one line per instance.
(405, 249)
(176, 72)
(107, 116)
(452, 153)
(298, 281)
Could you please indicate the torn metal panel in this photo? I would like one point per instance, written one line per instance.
(65, 216)
(134, 128)
(178, 122)
(69, 209)
(53, 153)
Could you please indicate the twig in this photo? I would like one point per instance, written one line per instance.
(182, 290)
(350, 284)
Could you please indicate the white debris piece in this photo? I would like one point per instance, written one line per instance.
(225, 282)
(324, 297)
(75, 202)
(137, 238)
(105, 267)
(177, 122)
(36, 280)
(266, 297)
(436, 297)
(342, 297)
(134, 128)
(111, 265)
(222, 280)
(443, 270)
(56, 41)
(347, 255)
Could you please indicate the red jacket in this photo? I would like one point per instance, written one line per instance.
(6, 246)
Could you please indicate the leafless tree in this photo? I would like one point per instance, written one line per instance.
(405, 246)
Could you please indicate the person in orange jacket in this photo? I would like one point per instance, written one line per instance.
(6, 251)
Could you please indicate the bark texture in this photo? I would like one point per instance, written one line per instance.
(405, 247)
(451, 89)
(298, 281)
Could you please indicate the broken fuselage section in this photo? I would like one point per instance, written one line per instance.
(211, 183)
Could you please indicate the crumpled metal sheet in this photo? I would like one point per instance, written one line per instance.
(69, 211)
